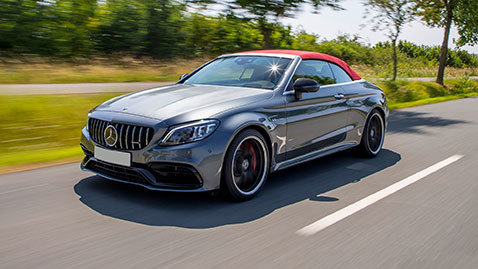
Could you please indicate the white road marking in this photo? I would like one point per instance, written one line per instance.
(357, 206)
(24, 188)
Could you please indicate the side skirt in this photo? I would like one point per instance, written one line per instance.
(313, 155)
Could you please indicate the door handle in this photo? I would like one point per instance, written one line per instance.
(339, 96)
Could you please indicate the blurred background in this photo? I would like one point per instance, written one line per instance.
(49, 47)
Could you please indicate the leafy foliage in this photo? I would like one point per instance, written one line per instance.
(392, 15)
(463, 15)
(444, 13)
(466, 19)
(455, 57)
(263, 11)
(167, 29)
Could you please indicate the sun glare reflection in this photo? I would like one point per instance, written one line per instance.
(274, 69)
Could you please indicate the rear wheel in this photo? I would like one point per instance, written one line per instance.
(246, 165)
(373, 135)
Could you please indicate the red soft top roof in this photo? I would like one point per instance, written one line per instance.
(307, 55)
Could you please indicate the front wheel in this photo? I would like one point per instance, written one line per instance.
(373, 135)
(246, 165)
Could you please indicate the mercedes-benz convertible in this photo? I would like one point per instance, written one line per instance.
(231, 122)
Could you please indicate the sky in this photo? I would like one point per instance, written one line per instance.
(330, 23)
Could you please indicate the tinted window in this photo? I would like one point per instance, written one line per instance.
(316, 70)
(242, 71)
(340, 75)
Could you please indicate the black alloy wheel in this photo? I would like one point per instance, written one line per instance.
(373, 135)
(246, 165)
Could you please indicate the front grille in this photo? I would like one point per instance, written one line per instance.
(130, 137)
(120, 172)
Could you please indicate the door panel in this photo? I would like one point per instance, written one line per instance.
(315, 121)
(346, 83)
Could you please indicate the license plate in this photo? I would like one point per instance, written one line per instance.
(111, 156)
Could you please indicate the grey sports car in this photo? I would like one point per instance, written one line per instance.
(234, 120)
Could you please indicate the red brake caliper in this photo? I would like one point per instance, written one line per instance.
(254, 156)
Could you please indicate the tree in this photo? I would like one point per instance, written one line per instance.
(73, 30)
(391, 15)
(120, 26)
(163, 22)
(25, 26)
(445, 13)
(262, 11)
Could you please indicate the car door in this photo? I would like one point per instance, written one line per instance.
(354, 96)
(316, 120)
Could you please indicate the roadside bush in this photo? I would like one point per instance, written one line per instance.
(455, 57)
(463, 86)
(407, 91)
(402, 91)
(432, 89)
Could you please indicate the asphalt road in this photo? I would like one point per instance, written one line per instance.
(60, 217)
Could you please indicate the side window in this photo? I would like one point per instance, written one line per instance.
(340, 75)
(316, 70)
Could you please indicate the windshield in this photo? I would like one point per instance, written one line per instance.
(242, 71)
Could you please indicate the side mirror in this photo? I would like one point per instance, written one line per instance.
(302, 85)
(183, 76)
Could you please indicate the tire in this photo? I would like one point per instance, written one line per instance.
(246, 165)
(373, 135)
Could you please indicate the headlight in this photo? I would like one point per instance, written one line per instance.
(190, 132)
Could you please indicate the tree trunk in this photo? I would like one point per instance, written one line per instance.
(267, 38)
(266, 31)
(444, 46)
(394, 47)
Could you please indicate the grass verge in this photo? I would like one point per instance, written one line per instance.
(122, 71)
(39, 70)
(21, 160)
(44, 128)
(431, 100)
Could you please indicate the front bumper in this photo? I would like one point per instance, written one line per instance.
(193, 167)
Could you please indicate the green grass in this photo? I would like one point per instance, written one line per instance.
(42, 156)
(159, 71)
(128, 71)
(45, 128)
(402, 92)
(406, 70)
(70, 76)
(431, 100)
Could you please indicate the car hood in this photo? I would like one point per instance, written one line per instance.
(184, 102)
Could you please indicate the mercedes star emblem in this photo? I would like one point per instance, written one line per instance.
(111, 135)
